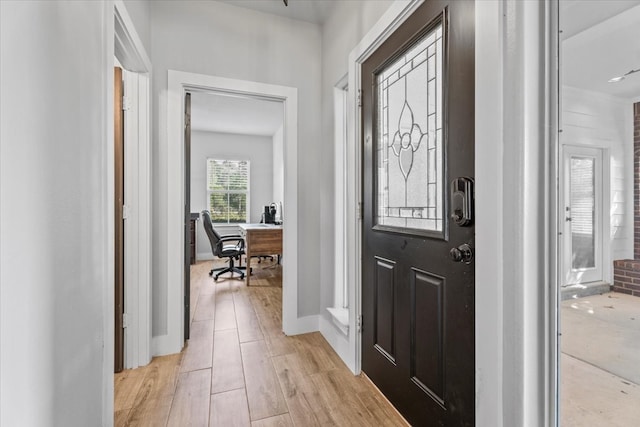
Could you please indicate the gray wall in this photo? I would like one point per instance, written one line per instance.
(219, 39)
(56, 216)
(257, 149)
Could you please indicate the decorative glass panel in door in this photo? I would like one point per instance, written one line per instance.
(410, 142)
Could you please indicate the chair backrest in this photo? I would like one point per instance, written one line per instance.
(213, 235)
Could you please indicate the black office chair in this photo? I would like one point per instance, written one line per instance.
(230, 246)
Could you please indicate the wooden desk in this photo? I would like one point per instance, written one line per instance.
(261, 239)
(195, 217)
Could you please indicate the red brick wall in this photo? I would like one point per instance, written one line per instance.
(626, 277)
(626, 273)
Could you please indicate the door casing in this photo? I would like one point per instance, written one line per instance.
(178, 83)
(131, 54)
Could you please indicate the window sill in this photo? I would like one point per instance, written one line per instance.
(340, 318)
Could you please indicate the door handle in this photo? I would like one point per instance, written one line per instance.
(462, 253)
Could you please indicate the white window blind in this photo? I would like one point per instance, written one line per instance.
(228, 190)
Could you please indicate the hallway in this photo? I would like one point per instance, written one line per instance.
(239, 369)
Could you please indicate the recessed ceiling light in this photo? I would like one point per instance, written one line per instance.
(622, 77)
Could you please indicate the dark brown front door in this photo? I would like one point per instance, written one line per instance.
(118, 115)
(418, 272)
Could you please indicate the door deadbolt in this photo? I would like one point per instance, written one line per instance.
(462, 201)
(462, 253)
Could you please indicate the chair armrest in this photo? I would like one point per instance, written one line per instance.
(227, 237)
(231, 238)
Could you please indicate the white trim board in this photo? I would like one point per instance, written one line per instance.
(178, 83)
(107, 231)
(137, 225)
(130, 52)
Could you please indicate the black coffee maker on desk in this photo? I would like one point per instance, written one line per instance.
(269, 215)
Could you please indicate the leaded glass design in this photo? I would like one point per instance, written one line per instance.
(409, 143)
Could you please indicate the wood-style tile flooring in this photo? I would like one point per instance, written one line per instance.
(239, 369)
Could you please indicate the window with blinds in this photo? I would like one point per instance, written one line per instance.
(228, 190)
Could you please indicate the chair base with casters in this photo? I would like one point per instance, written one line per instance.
(261, 257)
(230, 268)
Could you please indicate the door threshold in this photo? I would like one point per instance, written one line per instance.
(580, 290)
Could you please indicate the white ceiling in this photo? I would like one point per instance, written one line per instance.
(212, 112)
(315, 11)
(601, 41)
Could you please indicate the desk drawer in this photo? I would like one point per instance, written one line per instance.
(265, 241)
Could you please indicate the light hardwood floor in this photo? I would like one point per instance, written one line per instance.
(239, 369)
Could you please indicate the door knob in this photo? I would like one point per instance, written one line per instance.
(462, 253)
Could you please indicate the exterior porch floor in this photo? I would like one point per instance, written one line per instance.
(600, 361)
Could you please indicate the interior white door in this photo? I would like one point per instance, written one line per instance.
(582, 214)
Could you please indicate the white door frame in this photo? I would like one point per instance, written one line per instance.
(602, 193)
(397, 13)
(129, 50)
(178, 83)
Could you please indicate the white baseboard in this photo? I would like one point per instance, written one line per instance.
(304, 325)
(337, 340)
(161, 345)
(204, 256)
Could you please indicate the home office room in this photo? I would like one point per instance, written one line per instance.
(236, 182)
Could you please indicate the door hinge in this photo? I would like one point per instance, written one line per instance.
(125, 320)
(125, 211)
(126, 103)
(359, 324)
(359, 98)
(359, 213)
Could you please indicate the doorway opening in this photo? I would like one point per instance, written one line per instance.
(180, 83)
(599, 326)
(236, 170)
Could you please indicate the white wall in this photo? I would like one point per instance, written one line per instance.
(209, 145)
(219, 39)
(56, 214)
(599, 120)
